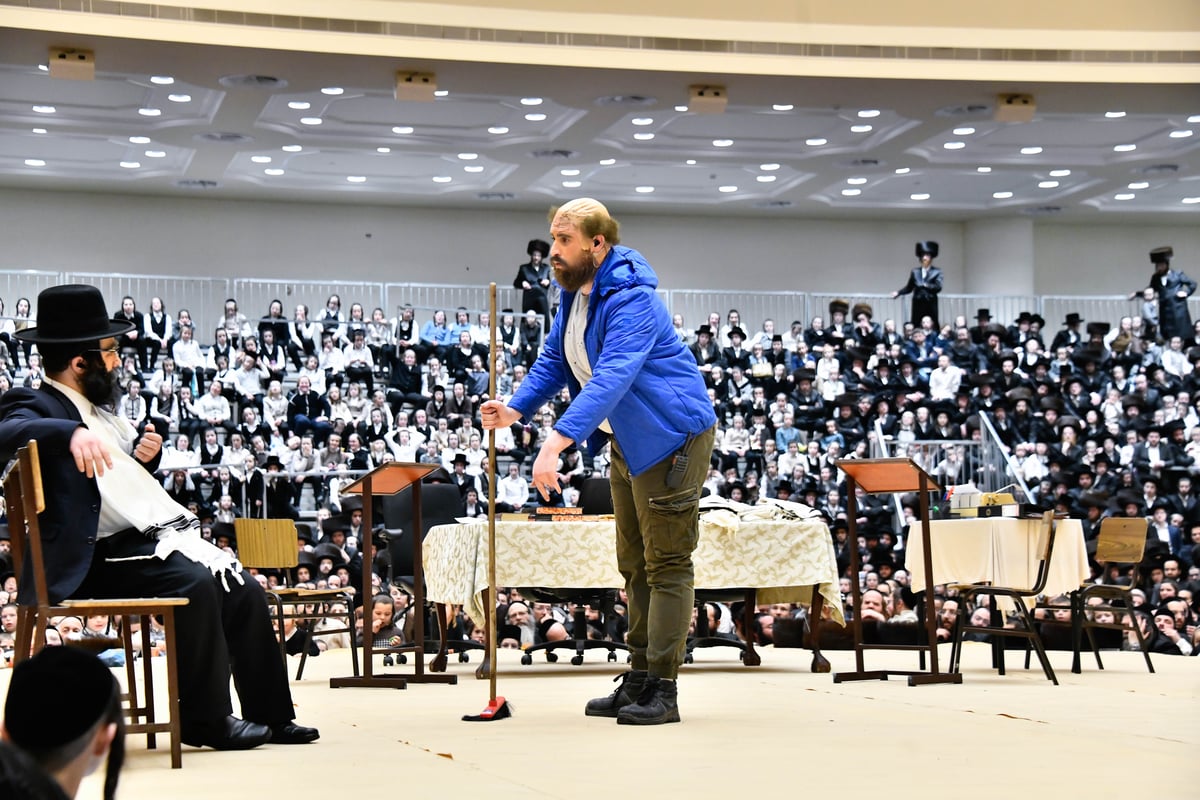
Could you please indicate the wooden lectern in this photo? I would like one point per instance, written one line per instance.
(392, 478)
(884, 476)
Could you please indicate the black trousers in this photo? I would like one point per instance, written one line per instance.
(218, 632)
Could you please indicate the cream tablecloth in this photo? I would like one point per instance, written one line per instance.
(1000, 550)
(782, 559)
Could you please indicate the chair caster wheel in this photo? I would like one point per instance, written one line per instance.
(463, 658)
(612, 656)
(576, 660)
(741, 655)
(402, 659)
(526, 659)
(551, 657)
(687, 659)
(388, 661)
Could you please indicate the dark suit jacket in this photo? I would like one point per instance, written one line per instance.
(72, 514)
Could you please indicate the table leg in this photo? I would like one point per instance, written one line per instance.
(815, 609)
(750, 658)
(484, 671)
(438, 664)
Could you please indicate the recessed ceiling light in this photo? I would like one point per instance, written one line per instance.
(1002, 195)
(472, 168)
(726, 189)
(643, 137)
(139, 140)
(1124, 196)
(768, 167)
(1030, 151)
(691, 162)
(34, 162)
(856, 181)
(954, 145)
(468, 156)
(44, 67)
(131, 164)
(356, 178)
(607, 162)
(535, 117)
(1194, 118)
(1047, 184)
(299, 105)
(919, 196)
(643, 120)
(868, 113)
(861, 129)
(310, 120)
(765, 178)
(1125, 148)
(983, 170)
(442, 179)
(782, 107)
(45, 109)
(1190, 200)
(644, 189)
(291, 148)
(383, 150)
(963, 131)
(903, 171)
(273, 171)
(156, 154)
(1183, 134)
(162, 80)
(722, 142)
(682, 109)
(531, 101)
(39, 130)
(1059, 173)
(816, 142)
(497, 129)
(851, 192)
(179, 98)
(333, 90)
(1140, 185)
(261, 159)
(572, 184)
(441, 93)
(568, 173)
(403, 130)
(150, 112)
(1114, 114)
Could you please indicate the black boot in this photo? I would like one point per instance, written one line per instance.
(656, 705)
(627, 693)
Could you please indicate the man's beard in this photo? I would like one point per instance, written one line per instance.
(99, 384)
(573, 277)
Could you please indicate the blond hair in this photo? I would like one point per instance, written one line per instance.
(590, 217)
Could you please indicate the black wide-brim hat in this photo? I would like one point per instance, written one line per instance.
(538, 244)
(73, 313)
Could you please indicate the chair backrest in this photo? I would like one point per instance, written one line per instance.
(24, 499)
(595, 496)
(1046, 534)
(267, 543)
(1121, 540)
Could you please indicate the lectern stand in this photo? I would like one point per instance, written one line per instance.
(883, 476)
(392, 478)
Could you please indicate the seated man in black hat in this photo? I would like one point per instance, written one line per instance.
(111, 530)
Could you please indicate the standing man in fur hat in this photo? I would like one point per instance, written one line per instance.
(111, 530)
(924, 284)
(533, 278)
(1173, 288)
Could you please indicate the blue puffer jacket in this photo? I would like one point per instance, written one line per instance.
(644, 380)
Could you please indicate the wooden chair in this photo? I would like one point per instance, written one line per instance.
(23, 495)
(970, 591)
(271, 544)
(1120, 541)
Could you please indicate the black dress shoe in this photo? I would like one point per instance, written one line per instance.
(291, 733)
(229, 733)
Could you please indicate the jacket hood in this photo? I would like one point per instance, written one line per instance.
(622, 269)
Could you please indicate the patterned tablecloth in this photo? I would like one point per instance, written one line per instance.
(783, 559)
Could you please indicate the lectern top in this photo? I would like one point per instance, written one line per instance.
(391, 478)
(882, 475)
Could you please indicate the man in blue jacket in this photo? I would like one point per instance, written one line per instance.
(634, 381)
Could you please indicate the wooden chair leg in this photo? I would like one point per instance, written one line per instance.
(173, 689)
(148, 680)
(27, 620)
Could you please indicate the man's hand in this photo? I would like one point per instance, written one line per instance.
(148, 446)
(494, 414)
(90, 452)
(545, 468)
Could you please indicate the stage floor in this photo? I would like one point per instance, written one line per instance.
(777, 727)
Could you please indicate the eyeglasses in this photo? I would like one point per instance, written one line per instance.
(115, 350)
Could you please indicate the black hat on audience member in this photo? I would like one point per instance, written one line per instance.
(856, 354)
(738, 332)
(927, 248)
(329, 550)
(55, 697)
(1019, 393)
(539, 245)
(351, 502)
(304, 531)
(1161, 255)
(460, 458)
(838, 304)
(1133, 400)
(306, 558)
(1051, 404)
(705, 329)
(1037, 318)
(804, 374)
(862, 308)
(1098, 328)
(1168, 428)
(71, 314)
(983, 314)
(334, 524)
(1073, 319)
(226, 530)
(778, 337)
